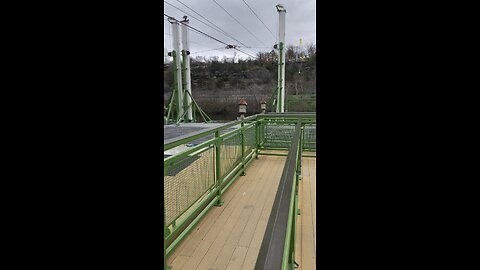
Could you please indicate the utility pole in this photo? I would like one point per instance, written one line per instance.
(187, 85)
(281, 59)
(177, 74)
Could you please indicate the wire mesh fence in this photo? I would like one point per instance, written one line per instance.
(278, 135)
(230, 153)
(186, 180)
(310, 137)
(250, 139)
(190, 174)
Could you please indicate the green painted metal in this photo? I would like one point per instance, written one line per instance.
(281, 77)
(188, 229)
(301, 103)
(174, 114)
(166, 232)
(196, 107)
(216, 164)
(171, 143)
(242, 134)
(289, 247)
(218, 199)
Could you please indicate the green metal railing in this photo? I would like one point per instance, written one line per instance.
(196, 178)
(301, 103)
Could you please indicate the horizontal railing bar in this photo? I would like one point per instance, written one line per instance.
(196, 211)
(187, 230)
(288, 114)
(174, 142)
(204, 195)
(210, 194)
(207, 145)
(226, 182)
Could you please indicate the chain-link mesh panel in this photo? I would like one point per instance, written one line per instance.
(310, 137)
(249, 135)
(278, 135)
(261, 134)
(230, 153)
(302, 106)
(185, 181)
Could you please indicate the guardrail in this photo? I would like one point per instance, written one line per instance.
(196, 178)
(282, 223)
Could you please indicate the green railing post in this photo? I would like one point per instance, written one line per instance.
(219, 201)
(166, 232)
(257, 138)
(242, 136)
(174, 234)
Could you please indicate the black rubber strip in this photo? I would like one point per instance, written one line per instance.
(271, 250)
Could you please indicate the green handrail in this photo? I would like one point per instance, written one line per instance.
(221, 160)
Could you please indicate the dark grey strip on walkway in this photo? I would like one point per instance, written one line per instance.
(271, 251)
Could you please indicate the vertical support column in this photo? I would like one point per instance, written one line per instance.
(242, 136)
(257, 138)
(281, 59)
(218, 179)
(302, 139)
(187, 86)
(177, 74)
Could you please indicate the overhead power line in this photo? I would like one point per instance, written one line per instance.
(218, 49)
(168, 16)
(220, 30)
(274, 38)
(201, 45)
(238, 22)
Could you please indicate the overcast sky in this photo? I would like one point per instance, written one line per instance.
(300, 23)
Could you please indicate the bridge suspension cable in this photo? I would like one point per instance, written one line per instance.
(207, 35)
(218, 30)
(239, 22)
(274, 38)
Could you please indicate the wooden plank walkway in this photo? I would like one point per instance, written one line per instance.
(229, 237)
(306, 243)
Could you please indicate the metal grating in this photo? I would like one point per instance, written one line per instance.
(249, 135)
(302, 106)
(230, 153)
(185, 181)
(261, 134)
(310, 137)
(278, 135)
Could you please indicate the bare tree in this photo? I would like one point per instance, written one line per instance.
(311, 50)
(290, 53)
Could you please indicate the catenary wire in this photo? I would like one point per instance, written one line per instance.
(224, 33)
(193, 28)
(238, 22)
(259, 19)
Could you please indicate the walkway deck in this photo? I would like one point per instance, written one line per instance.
(306, 243)
(229, 237)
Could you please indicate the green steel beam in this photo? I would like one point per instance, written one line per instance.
(174, 142)
(281, 77)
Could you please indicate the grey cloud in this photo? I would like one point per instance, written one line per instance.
(300, 23)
